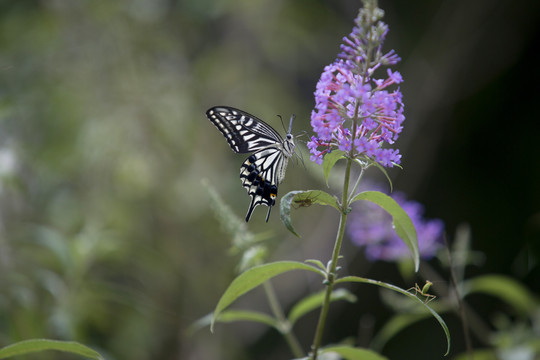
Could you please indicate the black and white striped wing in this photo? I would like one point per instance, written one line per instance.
(262, 172)
(244, 132)
(260, 175)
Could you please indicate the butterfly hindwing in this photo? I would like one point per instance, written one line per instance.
(261, 174)
(262, 171)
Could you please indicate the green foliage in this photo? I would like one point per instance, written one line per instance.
(381, 169)
(330, 160)
(514, 336)
(300, 309)
(232, 316)
(39, 345)
(403, 292)
(504, 288)
(484, 354)
(303, 198)
(394, 326)
(352, 353)
(314, 301)
(254, 277)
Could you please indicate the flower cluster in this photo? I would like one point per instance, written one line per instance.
(371, 227)
(355, 112)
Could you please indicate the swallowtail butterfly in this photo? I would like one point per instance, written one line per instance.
(263, 171)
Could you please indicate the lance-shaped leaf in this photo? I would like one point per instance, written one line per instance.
(330, 160)
(394, 326)
(352, 353)
(37, 345)
(254, 277)
(404, 292)
(303, 199)
(381, 168)
(503, 287)
(248, 315)
(314, 301)
(402, 223)
(232, 316)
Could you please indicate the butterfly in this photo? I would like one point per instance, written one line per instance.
(263, 171)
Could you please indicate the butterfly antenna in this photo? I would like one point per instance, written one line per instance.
(282, 124)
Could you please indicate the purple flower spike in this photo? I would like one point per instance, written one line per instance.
(355, 112)
(370, 227)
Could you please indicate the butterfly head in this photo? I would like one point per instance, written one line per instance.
(288, 144)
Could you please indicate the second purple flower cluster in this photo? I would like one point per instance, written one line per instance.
(371, 228)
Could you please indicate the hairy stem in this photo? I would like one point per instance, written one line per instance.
(285, 326)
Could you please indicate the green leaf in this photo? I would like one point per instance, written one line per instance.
(318, 263)
(254, 277)
(503, 287)
(401, 221)
(285, 211)
(330, 160)
(248, 315)
(232, 316)
(367, 162)
(352, 353)
(37, 345)
(483, 354)
(404, 292)
(394, 326)
(314, 301)
(383, 170)
(199, 324)
(310, 197)
(303, 198)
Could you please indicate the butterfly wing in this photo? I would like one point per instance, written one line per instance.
(260, 175)
(261, 172)
(244, 132)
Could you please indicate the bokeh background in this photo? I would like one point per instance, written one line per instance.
(107, 236)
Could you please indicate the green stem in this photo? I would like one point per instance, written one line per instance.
(470, 319)
(284, 325)
(331, 270)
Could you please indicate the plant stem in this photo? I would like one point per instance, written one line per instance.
(331, 269)
(461, 307)
(285, 327)
(469, 318)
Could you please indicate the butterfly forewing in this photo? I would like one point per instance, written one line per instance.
(244, 132)
(262, 172)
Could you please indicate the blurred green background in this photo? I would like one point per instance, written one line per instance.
(107, 236)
